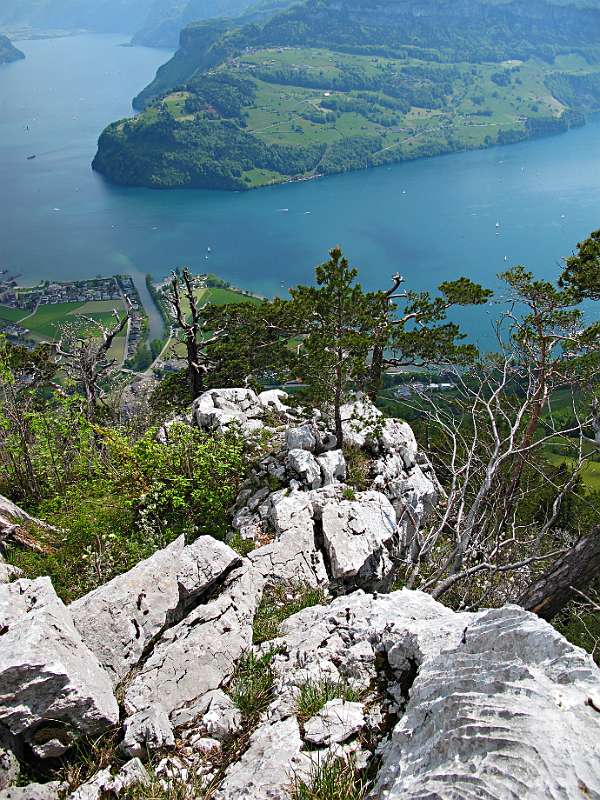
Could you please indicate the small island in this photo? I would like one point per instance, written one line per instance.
(8, 52)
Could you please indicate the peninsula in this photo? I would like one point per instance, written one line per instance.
(325, 87)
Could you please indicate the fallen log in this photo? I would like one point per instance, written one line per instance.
(573, 572)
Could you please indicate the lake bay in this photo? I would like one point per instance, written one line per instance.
(470, 214)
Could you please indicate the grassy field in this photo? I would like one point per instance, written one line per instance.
(477, 108)
(8, 314)
(48, 318)
(219, 297)
(45, 324)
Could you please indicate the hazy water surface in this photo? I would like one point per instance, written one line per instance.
(432, 219)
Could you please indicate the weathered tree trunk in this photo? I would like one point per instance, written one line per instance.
(573, 571)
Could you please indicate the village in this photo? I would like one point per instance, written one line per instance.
(30, 300)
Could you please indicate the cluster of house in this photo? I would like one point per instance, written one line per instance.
(83, 291)
(405, 390)
(14, 332)
(59, 292)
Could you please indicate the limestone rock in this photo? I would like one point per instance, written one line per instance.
(34, 791)
(120, 620)
(223, 717)
(266, 770)
(305, 465)
(356, 535)
(148, 730)
(51, 685)
(304, 437)
(360, 422)
(218, 409)
(103, 783)
(199, 654)
(501, 714)
(274, 399)
(338, 721)
(333, 467)
(133, 773)
(8, 572)
(294, 555)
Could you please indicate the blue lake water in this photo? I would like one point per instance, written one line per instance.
(432, 219)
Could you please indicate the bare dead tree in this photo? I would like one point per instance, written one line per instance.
(194, 327)
(84, 357)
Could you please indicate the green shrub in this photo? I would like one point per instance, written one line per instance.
(134, 498)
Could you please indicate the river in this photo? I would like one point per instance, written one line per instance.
(431, 220)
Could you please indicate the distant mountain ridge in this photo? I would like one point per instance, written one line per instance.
(8, 52)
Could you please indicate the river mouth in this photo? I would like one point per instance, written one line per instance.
(472, 214)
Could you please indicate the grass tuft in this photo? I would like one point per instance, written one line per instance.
(251, 687)
(315, 694)
(332, 779)
(280, 602)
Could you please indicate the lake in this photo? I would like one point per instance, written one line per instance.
(432, 219)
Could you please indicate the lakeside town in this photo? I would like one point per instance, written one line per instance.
(92, 295)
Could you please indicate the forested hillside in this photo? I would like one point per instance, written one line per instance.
(325, 87)
(167, 18)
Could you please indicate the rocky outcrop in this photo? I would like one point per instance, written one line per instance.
(509, 711)
(305, 470)
(358, 536)
(195, 657)
(121, 620)
(432, 703)
(52, 687)
(470, 700)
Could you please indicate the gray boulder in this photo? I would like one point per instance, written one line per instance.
(120, 621)
(305, 466)
(103, 783)
(357, 535)
(223, 717)
(503, 713)
(269, 766)
(8, 572)
(294, 556)
(274, 399)
(303, 437)
(34, 791)
(146, 731)
(333, 467)
(361, 422)
(335, 723)
(199, 654)
(218, 409)
(51, 685)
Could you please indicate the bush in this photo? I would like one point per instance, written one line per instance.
(134, 498)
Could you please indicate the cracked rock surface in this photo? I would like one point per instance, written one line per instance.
(432, 704)
(120, 620)
(51, 685)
